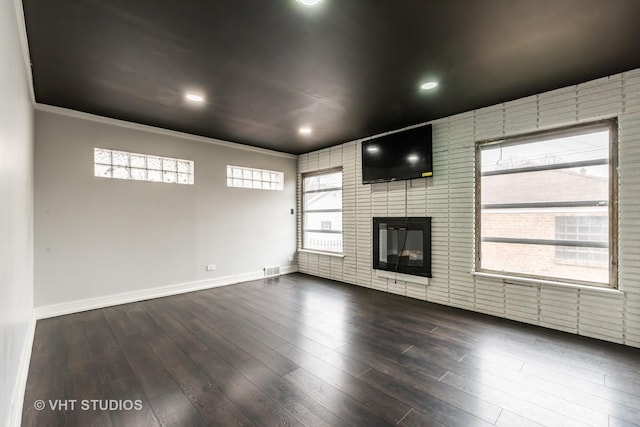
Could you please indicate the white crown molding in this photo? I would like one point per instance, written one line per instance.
(15, 411)
(78, 306)
(146, 128)
(24, 42)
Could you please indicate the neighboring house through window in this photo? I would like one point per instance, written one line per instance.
(594, 228)
(546, 205)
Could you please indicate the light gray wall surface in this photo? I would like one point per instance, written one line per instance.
(16, 205)
(96, 237)
(448, 197)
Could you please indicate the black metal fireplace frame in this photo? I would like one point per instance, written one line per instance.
(409, 223)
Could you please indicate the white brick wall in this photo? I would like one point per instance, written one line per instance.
(448, 197)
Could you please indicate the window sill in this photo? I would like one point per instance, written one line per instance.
(333, 254)
(516, 280)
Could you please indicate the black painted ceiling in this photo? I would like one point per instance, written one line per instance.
(349, 68)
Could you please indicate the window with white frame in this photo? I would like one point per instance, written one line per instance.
(260, 179)
(546, 205)
(141, 167)
(322, 211)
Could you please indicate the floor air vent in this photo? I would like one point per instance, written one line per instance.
(272, 270)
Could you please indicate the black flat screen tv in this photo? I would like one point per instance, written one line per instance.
(398, 156)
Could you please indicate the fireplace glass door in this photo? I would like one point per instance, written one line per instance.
(403, 245)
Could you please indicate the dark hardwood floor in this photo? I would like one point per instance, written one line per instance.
(304, 351)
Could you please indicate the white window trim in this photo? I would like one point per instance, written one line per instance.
(315, 173)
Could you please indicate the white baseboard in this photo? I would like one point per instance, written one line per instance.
(15, 412)
(288, 269)
(77, 306)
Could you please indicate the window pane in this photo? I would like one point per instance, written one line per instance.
(557, 185)
(593, 257)
(154, 163)
(153, 175)
(323, 200)
(102, 156)
(169, 165)
(120, 172)
(566, 149)
(320, 182)
(183, 178)
(169, 176)
(546, 261)
(184, 167)
(139, 174)
(138, 161)
(120, 159)
(323, 242)
(592, 228)
(541, 224)
(103, 171)
(325, 221)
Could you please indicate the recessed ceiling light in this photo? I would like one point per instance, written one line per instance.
(428, 85)
(373, 149)
(194, 98)
(305, 130)
(310, 3)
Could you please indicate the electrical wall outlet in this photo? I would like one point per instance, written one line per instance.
(211, 267)
(290, 259)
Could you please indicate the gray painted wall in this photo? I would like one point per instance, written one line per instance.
(16, 206)
(448, 197)
(96, 237)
